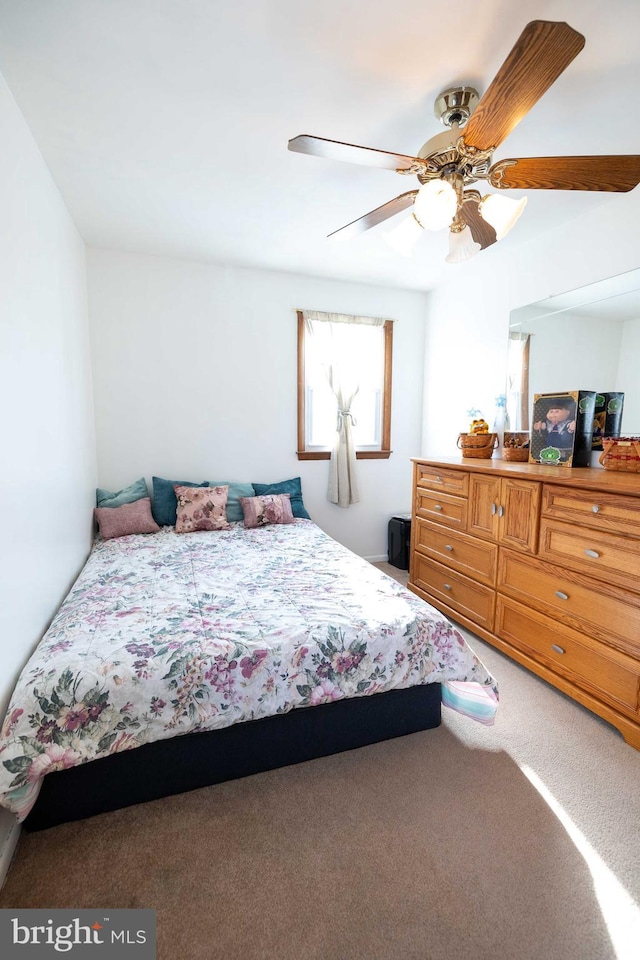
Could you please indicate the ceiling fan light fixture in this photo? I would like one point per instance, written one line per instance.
(501, 213)
(462, 246)
(435, 204)
(449, 162)
(404, 236)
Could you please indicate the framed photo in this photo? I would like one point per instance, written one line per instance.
(562, 427)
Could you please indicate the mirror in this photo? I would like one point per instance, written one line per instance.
(586, 339)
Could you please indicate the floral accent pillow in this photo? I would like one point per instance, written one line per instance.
(126, 519)
(293, 487)
(201, 508)
(271, 508)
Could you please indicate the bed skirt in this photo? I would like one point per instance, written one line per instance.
(197, 760)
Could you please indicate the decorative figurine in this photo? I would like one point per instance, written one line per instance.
(479, 426)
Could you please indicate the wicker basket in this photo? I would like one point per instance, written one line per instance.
(518, 454)
(478, 445)
(621, 453)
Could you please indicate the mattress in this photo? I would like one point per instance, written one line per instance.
(168, 634)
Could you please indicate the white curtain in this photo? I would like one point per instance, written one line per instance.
(335, 339)
(518, 381)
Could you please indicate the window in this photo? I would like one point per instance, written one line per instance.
(362, 348)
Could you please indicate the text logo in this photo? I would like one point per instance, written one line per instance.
(100, 933)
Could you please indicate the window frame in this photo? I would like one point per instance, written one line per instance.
(385, 427)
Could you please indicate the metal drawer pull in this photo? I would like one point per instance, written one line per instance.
(448, 546)
(500, 510)
(561, 595)
(493, 509)
(447, 586)
(595, 509)
(437, 506)
(438, 479)
(554, 646)
(592, 553)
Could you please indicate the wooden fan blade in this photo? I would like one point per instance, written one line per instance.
(619, 174)
(375, 216)
(481, 231)
(541, 53)
(351, 153)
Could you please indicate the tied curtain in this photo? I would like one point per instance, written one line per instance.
(337, 340)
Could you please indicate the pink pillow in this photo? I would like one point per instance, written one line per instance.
(129, 518)
(201, 508)
(270, 508)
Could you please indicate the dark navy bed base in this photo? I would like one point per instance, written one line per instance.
(201, 759)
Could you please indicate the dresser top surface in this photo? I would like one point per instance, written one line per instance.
(584, 478)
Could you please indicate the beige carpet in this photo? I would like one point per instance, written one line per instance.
(513, 842)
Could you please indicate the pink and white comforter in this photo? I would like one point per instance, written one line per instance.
(165, 634)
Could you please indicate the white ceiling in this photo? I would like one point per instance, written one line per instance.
(165, 122)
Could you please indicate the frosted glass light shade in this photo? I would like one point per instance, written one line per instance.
(435, 204)
(462, 246)
(501, 212)
(404, 237)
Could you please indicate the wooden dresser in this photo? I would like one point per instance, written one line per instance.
(543, 563)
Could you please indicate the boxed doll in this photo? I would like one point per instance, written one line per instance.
(562, 428)
(607, 417)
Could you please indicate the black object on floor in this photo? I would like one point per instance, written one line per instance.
(399, 540)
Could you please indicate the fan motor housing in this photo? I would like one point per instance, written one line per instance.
(455, 105)
(441, 152)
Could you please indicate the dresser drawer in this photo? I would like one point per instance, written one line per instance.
(450, 511)
(602, 671)
(602, 511)
(471, 599)
(477, 559)
(448, 481)
(604, 611)
(606, 556)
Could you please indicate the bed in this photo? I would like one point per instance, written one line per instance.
(181, 660)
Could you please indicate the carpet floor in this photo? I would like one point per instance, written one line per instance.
(513, 842)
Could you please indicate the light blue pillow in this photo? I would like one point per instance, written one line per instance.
(135, 491)
(165, 503)
(292, 487)
(236, 490)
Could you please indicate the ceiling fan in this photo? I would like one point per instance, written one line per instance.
(449, 163)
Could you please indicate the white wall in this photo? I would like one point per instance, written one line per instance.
(48, 457)
(627, 379)
(48, 474)
(195, 379)
(467, 334)
(573, 352)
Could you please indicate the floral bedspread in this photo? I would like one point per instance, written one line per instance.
(164, 634)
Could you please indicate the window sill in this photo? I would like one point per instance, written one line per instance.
(360, 454)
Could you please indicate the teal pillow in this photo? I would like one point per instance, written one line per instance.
(236, 490)
(292, 487)
(164, 503)
(135, 491)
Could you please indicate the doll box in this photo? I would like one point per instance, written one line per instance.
(607, 417)
(562, 428)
